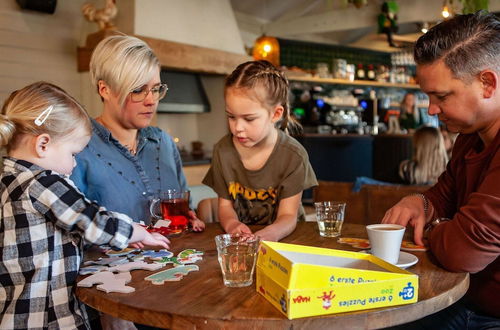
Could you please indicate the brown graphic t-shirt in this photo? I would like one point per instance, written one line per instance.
(256, 194)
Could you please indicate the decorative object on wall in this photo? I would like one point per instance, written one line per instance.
(44, 6)
(387, 20)
(267, 48)
(103, 17)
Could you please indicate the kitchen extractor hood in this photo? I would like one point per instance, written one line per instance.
(185, 93)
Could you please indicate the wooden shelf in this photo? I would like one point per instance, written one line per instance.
(353, 83)
(172, 55)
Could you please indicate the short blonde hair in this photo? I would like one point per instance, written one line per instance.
(124, 63)
(24, 106)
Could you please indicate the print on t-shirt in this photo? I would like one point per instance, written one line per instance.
(253, 206)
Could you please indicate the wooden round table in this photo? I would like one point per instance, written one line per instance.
(200, 300)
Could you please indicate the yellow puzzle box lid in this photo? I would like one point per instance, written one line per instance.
(305, 281)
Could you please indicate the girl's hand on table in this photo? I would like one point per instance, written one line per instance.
(268, 234)
(238, 228)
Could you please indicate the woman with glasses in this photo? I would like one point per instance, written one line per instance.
(127, 162)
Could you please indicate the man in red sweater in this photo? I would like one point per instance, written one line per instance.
(458, 67)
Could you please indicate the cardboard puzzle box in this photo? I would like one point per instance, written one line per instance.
(305, 281)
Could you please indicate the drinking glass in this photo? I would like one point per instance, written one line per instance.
(172, 205)
(330, 217)
(237, 255)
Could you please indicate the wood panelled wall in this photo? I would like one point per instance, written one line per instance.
(37, 46)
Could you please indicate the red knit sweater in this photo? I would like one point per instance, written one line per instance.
(468, 192)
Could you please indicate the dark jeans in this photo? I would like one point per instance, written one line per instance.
(455, 317)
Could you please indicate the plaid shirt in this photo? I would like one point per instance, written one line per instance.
(43, 221)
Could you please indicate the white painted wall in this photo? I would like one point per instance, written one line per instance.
(205, 23)
(36, 46)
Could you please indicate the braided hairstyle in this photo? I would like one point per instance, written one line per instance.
(274, 86)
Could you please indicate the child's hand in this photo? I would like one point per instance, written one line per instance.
(156, 239)
(197, 225)
(238, 228)
(267, 234)
(141, 237)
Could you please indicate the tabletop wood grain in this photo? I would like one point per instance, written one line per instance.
(201, 301)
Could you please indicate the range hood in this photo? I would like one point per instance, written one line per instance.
(185, 93)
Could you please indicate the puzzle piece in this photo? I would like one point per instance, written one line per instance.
(135, 265)
(123, 252)
(112, 261)
(91, 269)
(156, 255)
(172, 274)
(188, 256)
(363, 243)
(169, 260)
(108, 282)
(190, 253)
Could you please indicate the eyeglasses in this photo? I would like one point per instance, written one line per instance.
(158, 92)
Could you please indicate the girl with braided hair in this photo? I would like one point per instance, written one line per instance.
(258, 170)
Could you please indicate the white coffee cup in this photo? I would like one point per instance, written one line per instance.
(385, 240)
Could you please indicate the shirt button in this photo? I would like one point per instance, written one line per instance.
(144, 193)
(132, 182)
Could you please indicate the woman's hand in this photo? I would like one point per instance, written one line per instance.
(197, 225)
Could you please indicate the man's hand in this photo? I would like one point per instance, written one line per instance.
(409, 210)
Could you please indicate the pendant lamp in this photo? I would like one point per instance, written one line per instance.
(267, 48)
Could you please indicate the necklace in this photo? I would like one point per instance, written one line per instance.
(131, 147)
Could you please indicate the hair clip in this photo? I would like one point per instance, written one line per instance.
(43, 116)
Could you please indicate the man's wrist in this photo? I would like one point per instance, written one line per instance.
(426, 203)
(431, 225)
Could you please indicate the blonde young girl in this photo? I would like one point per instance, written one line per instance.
(429, 157)
(258, 171)
(44, 219)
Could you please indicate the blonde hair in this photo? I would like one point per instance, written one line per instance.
(24, 106)
(261, 76)
(124, 63)
(429, 155)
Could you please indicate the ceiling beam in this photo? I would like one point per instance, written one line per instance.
(352, 18)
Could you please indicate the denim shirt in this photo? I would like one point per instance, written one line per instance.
(109, 174)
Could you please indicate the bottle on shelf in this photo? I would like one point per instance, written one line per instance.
(370, 74)
(360, 72)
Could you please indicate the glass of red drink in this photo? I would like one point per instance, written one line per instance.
(172, 205)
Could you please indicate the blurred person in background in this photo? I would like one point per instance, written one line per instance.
(409, 118)
(429, 157)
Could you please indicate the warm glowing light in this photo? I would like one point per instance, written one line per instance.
(445, 12)
(176, 139)
(267, 48)
(424, 30)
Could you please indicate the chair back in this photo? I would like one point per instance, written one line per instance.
(207, 210)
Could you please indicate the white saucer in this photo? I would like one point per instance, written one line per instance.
(405, 259)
